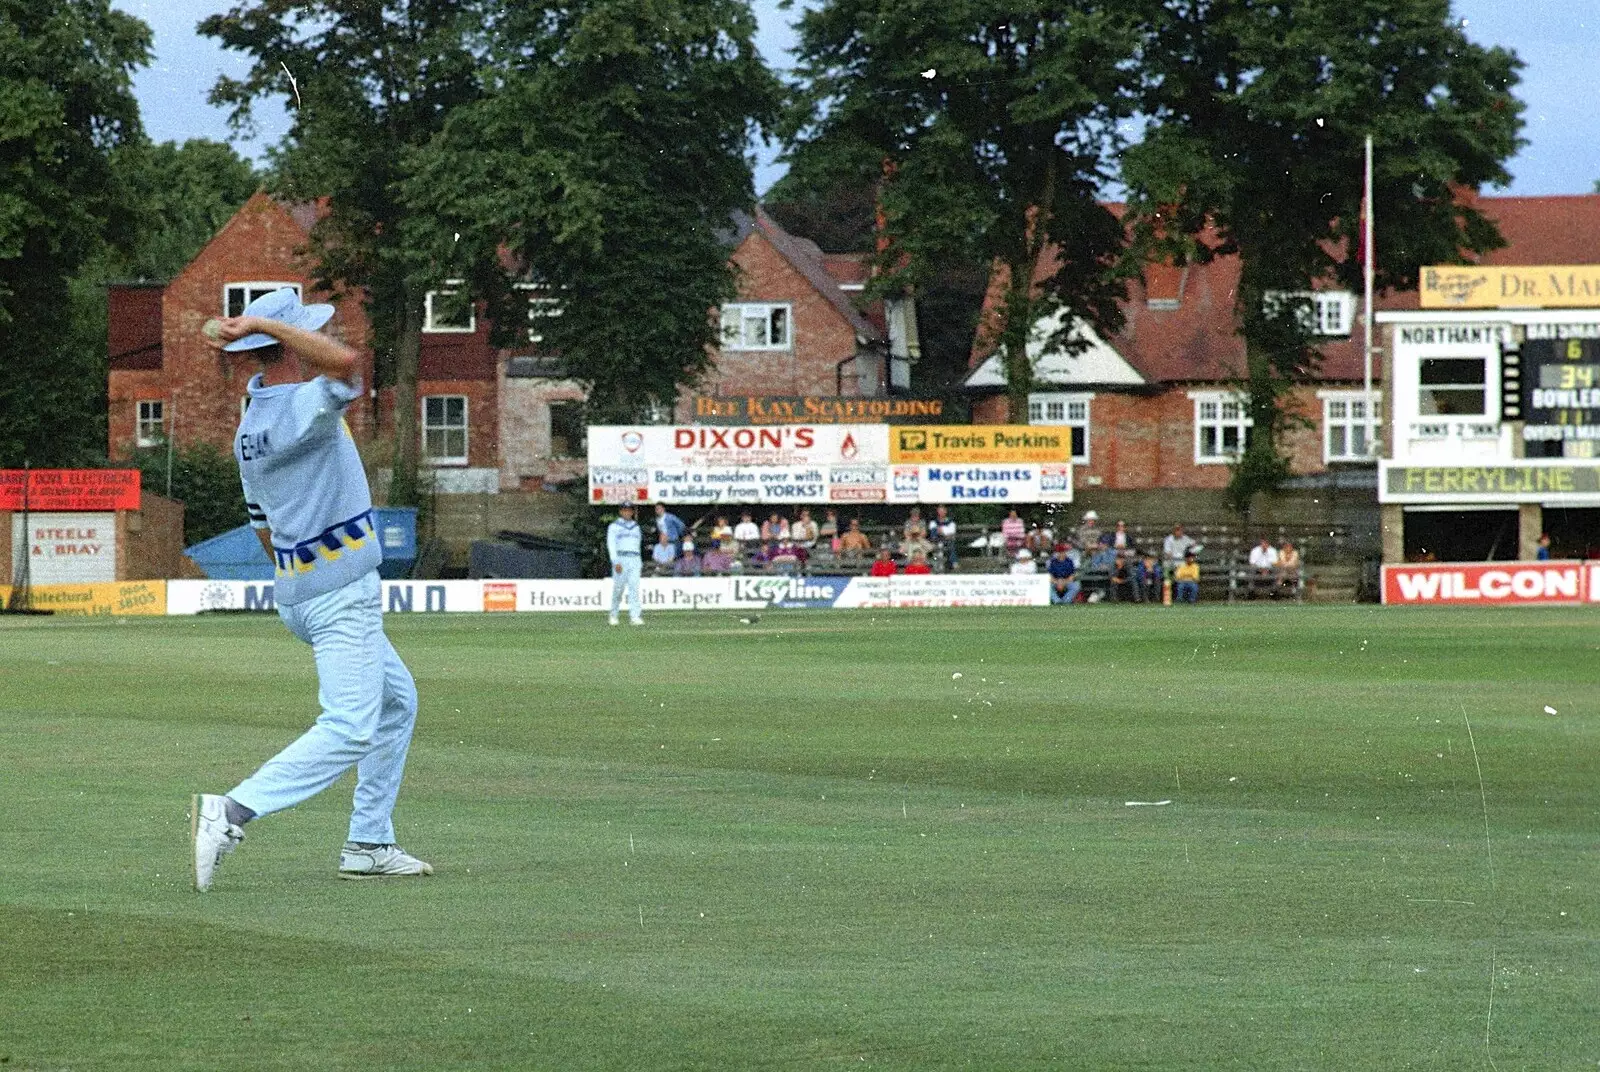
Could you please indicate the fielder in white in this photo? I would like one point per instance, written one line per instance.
(622, 545)
(307, 496)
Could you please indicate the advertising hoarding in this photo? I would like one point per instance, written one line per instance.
(733, 593)
(67, 548)
(961, 444)
(1492, 583)
(1482, 286)
(70, 489)
(980, 483)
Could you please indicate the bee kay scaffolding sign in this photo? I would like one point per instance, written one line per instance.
(829, 463)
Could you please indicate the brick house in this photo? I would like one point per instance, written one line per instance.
(490, 419)
(1156, 404)
(797, 327)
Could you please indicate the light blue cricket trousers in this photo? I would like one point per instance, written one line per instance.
(369, 706)
(627, 580)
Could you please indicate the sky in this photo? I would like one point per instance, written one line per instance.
(1556, 39)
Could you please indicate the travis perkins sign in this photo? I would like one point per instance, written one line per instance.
(815, 409)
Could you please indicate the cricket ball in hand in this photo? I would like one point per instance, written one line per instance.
(212, 329)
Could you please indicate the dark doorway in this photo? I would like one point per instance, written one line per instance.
(1461, 535)
(1573, 533)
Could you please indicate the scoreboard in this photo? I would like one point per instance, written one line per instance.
(1560, 390)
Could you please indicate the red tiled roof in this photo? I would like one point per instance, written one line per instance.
(1196, 341)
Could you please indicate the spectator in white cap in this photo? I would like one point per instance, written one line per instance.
(1024, 563)
(1089, 531)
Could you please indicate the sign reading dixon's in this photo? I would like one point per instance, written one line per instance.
(839, 463)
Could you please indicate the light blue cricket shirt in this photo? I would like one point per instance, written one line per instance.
(303, 480)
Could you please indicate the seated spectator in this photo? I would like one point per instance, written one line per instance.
(688, 563)
(1089, 530)
(1101, 557)
(663, 554)
(1288, 570)
(774, 528)
(828, 531)
(720, 531)
(1147, 579)
(1263, 568)
(1036, 541)
(942, 534)
(1014, 532)
(804, 531)
(1186, 578)
(747, 532)
(883, 565)
(854, 542)
(1064, 586)
(1024, 563)
(1120, 582)
(916, 545)
(915, 528)
(719, 558)
(1541, 555)
(1175, 546)
(1120, 538)
(918, 564)
(786, 557)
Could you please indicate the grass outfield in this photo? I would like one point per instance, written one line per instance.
(806, 843)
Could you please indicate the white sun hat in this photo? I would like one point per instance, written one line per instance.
(282, 305)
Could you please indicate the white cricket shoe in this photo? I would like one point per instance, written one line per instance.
(635, 621)
(385, 861)
(613, 619)
(212, 835)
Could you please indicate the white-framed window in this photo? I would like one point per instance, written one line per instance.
(541, 309)
(151, 424)
(444, 429)
(1326, 312)
(442, 316)
(1350, 425)
(1221, 427)
(235, 296)
(1069, 410)
(1452, 387)
(757, 326)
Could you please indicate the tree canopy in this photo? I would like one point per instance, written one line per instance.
(369, 79)
(604, 170)
(66, 106)
(1258, 113)
(991, 128)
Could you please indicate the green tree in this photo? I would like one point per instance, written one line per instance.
(183, 194)
(369, 79)
(993, 125)
(1258, 115)
(203, 478)
(605, 167)
(66, 105)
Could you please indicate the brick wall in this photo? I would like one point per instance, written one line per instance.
(525, 461)
(150, 541)
(822, 337)
(1139, 442)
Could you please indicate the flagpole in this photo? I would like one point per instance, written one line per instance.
(1368, 271)
(1369, 268)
